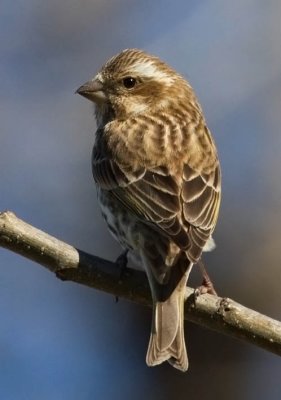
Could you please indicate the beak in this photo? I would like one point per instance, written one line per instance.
(92, 90)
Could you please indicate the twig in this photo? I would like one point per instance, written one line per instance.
(220, 314)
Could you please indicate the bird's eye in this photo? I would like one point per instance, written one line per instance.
(129, 82)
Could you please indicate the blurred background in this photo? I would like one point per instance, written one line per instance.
(65, 341)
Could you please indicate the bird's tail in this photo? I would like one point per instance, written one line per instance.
(167, 341)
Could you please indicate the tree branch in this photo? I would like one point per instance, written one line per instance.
(220, 314)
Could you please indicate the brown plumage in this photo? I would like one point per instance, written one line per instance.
(158, 179)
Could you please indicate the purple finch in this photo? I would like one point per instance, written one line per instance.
(158, 180)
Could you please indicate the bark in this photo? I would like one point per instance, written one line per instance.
(70, 264)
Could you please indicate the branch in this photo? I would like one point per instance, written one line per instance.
(220, 314)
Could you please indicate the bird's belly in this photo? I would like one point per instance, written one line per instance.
(148, 247)
(121, 223)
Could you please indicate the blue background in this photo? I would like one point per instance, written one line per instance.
(64, 341)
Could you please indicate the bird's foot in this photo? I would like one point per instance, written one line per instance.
(207, 285)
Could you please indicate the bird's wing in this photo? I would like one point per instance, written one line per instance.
(201, 193)
(108, 174)
(153, 195)
(186, 212)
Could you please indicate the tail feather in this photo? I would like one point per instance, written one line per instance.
(167, 341)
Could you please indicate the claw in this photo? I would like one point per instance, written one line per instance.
(207, 285)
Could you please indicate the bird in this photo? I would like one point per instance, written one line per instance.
(158, 180)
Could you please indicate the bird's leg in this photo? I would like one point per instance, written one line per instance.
(121, 262)
(207, 285)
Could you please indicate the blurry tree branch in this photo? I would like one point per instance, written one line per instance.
(68, 263)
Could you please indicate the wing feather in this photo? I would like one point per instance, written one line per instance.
(201, 200)
(108, 174)
(184, 209)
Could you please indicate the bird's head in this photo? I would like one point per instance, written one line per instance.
(131, 83)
